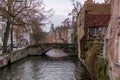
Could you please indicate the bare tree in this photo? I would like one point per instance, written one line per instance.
(77, 6)
(20, 12)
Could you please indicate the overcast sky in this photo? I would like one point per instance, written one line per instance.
(61, 8)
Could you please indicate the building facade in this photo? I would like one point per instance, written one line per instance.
(2, 28)
(70, 32)
(60, 35)
(93, 19)
(112, 42)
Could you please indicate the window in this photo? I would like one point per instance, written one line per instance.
(95, 31)
(0, 18)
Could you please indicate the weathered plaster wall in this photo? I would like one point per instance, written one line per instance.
(111, 46)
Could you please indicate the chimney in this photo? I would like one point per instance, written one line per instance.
(89, 2)
(107, 1)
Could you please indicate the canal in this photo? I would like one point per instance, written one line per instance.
(45, 68)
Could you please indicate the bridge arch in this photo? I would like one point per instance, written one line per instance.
(70, 49)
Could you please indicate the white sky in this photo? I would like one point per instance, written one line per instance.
(61, 8)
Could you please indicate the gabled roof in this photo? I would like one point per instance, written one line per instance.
(97, 14)
(101, 20)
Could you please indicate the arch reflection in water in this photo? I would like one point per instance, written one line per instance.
(56, 53)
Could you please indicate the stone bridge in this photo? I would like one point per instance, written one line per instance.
(35, 50)
(41, 49)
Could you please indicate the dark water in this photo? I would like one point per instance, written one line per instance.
(43, 68)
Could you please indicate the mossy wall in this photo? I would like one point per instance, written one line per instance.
(96, 64)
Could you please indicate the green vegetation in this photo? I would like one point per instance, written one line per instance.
(118, 78)
(96, 63)
(87, 46)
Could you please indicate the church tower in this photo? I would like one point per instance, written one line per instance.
(52, 27)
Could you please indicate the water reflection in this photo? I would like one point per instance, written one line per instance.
(43, 68)
(56, 53)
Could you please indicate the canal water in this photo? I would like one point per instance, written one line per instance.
(45, 68)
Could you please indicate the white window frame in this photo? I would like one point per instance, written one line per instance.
(95, 32)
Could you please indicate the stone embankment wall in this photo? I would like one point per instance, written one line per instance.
(4, 60)
(17, 55)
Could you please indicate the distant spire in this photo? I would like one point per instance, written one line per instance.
(52, 27)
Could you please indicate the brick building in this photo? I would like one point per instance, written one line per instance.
(93, 18)
(60, 35)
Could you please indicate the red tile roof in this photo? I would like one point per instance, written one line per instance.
(97, 20)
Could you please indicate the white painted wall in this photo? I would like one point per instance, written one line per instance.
(1, 31)
(27, 36)
(70, 31)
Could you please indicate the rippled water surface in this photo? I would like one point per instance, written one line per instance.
(44, 68)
